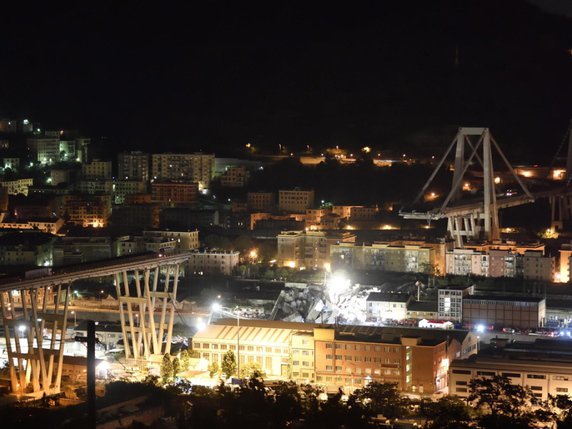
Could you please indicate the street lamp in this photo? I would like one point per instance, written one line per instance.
(216, 307)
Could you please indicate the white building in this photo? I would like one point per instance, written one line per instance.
(450, 302)
(381, 306)
(213, 262)
(463, 262)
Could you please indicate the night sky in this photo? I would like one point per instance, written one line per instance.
(216, 75)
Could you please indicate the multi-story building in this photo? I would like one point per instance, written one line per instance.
(78, 249)
(28, 248)
(121, 188)
(504, 311)
(450, 302)
(344, 212)
(261, 201)
(381, 306)
(136, 216)
(95, 186)
(535, 266)
(133, 166)
(502, 263)
(344, 356)
(87, 210)
(192, 167)
(399, 256)
(18, 186)
(182, 218)
(363, 213)
(213, 262)
(295, 200)
(309, 249)
(463, 262)
(420, 310)
(47, 225)
(268, 220)
(565, 254)
(174, 192)
(235, 177)
(544, 366)
(45, 149)
(97, 169)
(314, 217)
(185, 240)
(139, 244)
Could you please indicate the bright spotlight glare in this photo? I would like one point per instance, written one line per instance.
(338, 283)
(201, 326)
(216, 306)
(480, 328)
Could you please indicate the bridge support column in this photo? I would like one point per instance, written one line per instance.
(151, 290)
(560, 211)
(34, 368)
(463, 226)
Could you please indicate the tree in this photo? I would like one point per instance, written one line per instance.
(228, 366)
(213, 369)
(382, 398)
(504, 404)
(176, 366)
(166, 368)
(185, 360)
(251, 370)
(448, 412)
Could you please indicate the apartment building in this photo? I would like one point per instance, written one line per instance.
(344, 356)
(235, 177)
(185, 240)
(399, 256)
(502, 263)
(464, 262)
(191, 167)
(536, 266)
(213, 262)
(122, 188)
(95, 186)
(261, 201)
(45, 149)
(78, 249)
(544, 366)
(136, 216)
(309, 249)
(47, 225)
(525, 312)
(97, 169)
(29, 248)
(381, 306)
(174, 192)
(18, 186)
(450, 302)
(565, 254)
(87, 210)
(133, 166)
(296, 200)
